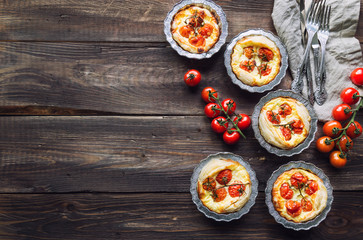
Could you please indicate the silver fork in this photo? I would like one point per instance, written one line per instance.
(323, 35)
(312, 26)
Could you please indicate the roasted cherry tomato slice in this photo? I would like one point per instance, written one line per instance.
(345, 143)
(293, 208)
(219, 194)
(306, 205)
(354, 130)
(273, 117)
(224, 176)
(337, 159)
(312, 187)
(325, 144)
(331, 128)
(185, 31)
(264, 69)
(229, 105)
(192, 78)
(265, 54)
(286, 132)
(297, 180)
(219, 124)
(357, 76)
(342, 112)
(197, 41)
(248, 52)
(350, 96)
(285, 191)
(285, 110)
(209, 184)
(297, 126)
(248, 66)
(206, 30)
(231, 136)
(209, 94)
(243, 121)
(236, 189)
(212, 110)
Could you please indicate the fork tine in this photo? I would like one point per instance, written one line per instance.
(328, 19)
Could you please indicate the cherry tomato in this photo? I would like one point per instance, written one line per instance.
(206, 30)
(248, 66)
(306, 205)
(237, 189)
(345, 143)
(185, 31)
(357, 76)
(209, 184)
(229, 105)
(208, 93)
(312, 187)
(212, 110)
(231, 136)
(224, 176)
(197, 41)
(337, 159)
(273, 117)
(285, 191)
(265, 54)
(297, 179)
(219, 124)
(192, 78)
(297, 126)
(248, 52)
(293, 208)
(219, 194)
(354, 130)
(342, 112)
(324, 144)
(331, 128)
(285, 110)
(243, 121)
(350, 96)
(286, 132)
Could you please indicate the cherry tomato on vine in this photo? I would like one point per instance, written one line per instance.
(192, 78)
(219, 124)
(206, 94)
(350, 96)
(345, 143)
(212, 110)
(243, 121)
(231, 136)
(357, 76)
(229, 105)
(337, 159)
(331, 128)
(354, 130)
(342, 112)
(324, 144)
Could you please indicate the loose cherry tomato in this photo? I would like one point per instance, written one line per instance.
(357, 76)
(350, 96)
(273, 117)
(219, 194)
(297, 179)
(306, 205)
(324, 144)
(229, 105)
(354, 130)
(209, 184)
(312, 187)
(337, 159)
(219, 124)
(331, 128)
(345, 143)
(293, 208)
(212, 110)
(285, 191)
(237, 189)
(209, 94)
(342, 112)
(192, 78)
(231, 136)
(224, 176)
(243, 121)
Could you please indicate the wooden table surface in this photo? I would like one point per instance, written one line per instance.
(100, 135)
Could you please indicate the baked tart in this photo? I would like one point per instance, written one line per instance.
(255, 60)
(195, 28)
(299, 195)
(284, 122)
(224, 185)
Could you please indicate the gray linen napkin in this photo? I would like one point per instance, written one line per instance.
(343, 51)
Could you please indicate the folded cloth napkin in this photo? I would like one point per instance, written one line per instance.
(343, 50)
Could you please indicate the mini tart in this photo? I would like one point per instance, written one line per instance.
(255, 60)
(284, 122)
(228, 195)
(317, 195)
(195, 29)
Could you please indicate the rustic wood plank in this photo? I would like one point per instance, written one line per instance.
(132, 154)
(118, 20)
(157, 216)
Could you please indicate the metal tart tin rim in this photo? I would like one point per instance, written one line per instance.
(229, 216)
(275, 150)
(283, 67)
(289, 224)
(222, 23)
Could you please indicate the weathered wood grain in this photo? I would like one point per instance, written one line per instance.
(157, 216)
(132, 154)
